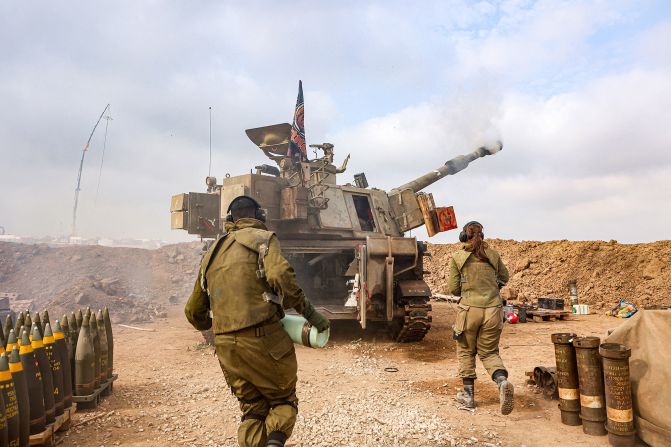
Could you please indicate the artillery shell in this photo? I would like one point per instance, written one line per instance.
(590, 376)
(74, 335)
(567, 378)
(62, 349)
(18, 323)
(34, 385)
(37, 320)
(45, 321)
(21, 388)
(47, 376)
(54, 359)
(95, 337)
(11, 341)
(620, 424)
(3, 339)
(9, 325)
(84, 362)
(103, 349)
(11, 404)
(28, 324)
(79, 318)
(110, 343)
(3, 422)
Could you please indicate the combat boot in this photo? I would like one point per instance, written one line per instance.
(276, 439)
(506, 392)
(467, 397)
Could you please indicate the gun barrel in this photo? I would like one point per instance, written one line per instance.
(452, 166)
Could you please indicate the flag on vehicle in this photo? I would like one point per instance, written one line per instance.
(297, 149)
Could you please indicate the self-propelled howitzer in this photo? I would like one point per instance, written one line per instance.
(346, 242)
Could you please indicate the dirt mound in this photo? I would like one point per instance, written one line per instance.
(136, 284)
(605, 271)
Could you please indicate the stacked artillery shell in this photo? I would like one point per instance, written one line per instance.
(590, 374)
(45, 320)
(74, 335)
(23, 401)
(11, 404)
(3, 419)
(11, 341)
(20, 336)
(18, 323)
(34, 385)
(110, 343)
(54, 359)
(27, 325)
(3, 339)
(84, 362)
(63, 352)
(102, 335)
(79, 318)
(567, 378)
(8, 327)
(37, 322)
(95, 337)
(47, 376)
(620, 424)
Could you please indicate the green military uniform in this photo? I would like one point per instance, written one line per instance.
(255, 353)
(479, 315)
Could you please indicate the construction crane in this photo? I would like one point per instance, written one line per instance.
(79, 174)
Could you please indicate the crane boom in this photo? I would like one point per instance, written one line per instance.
(79, 174)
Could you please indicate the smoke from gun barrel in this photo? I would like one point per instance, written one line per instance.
(452, 166)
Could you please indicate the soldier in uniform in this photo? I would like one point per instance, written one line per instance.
(476, 275)
(247, 283)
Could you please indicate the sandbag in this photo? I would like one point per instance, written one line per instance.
(648, 334)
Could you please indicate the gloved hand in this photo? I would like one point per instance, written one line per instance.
(319, 321)
(315, 318)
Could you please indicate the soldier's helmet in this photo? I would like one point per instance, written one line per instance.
(242, 202)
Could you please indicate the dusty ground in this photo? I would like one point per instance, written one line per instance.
(172, 392)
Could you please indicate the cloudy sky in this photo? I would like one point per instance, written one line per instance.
(579, 92)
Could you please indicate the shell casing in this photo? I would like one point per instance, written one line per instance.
(34, 385)
(62, 350)
(54, 360)
(110, 342)
(567, 378)
(590, 376)
(617, 381)
(45, 371)
(84, 362)
(95, 337)
(23, 401)
(11, 404)
(102, 334)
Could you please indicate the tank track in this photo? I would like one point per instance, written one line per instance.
(416, 321)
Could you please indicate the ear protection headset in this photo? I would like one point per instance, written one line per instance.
(463, 236)
(259, 213)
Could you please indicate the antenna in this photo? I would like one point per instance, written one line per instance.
(102, 160)
(79, 174)
(209, 169)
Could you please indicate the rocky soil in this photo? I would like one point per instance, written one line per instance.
(136, 284)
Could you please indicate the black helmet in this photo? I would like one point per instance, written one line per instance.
(241, 202)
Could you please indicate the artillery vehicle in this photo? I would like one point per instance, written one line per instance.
(345, 242)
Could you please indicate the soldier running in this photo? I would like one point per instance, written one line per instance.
(247, 283)
(476, 275)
